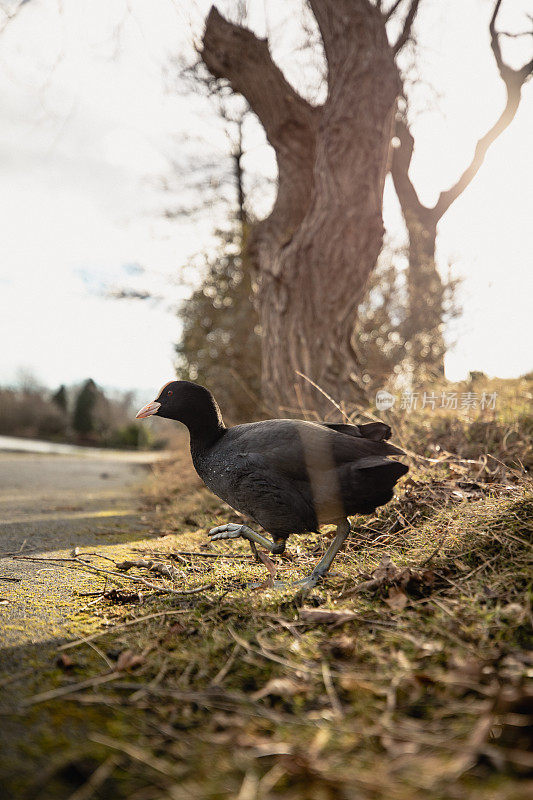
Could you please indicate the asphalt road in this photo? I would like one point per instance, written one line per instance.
(50, 504)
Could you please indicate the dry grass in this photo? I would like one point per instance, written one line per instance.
(405, 675)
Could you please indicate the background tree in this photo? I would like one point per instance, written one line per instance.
(220, 345)
(60, 399)
(83, 420)
(426, 293)
(314, 253)
(384, 335)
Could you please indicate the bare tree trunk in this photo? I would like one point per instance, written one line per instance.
(423, 328)
(314, 253)
(425, 289)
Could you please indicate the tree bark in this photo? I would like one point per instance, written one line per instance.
(423, 328)
(315, 251)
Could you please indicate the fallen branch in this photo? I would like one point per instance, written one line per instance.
(73, 687)
(137, 753)
(115, 628)
(85, 567)
(205, 555)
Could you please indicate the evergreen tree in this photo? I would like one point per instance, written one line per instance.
(83, 420)
(60, 398)
(220, 345)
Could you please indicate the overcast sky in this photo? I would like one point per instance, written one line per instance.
(88, 125)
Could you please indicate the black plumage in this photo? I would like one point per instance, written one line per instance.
(289, 476)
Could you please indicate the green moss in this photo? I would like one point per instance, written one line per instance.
(411, 685)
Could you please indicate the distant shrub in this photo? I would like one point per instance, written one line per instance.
(132, 435)
(29, 413)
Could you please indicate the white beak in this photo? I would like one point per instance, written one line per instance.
(148, 410)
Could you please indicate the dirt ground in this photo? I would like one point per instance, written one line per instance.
(405, 675)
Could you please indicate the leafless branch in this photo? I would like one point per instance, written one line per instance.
(400, 164)
(513, 79)
(407, 25)
(233, 53)
(8, 12)
(392, 10)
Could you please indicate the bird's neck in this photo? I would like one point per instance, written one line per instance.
(205, 425)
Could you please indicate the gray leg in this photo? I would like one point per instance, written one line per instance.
(343, 530)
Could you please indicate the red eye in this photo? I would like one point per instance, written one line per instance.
(169, 392)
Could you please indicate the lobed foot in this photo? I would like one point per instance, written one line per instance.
(229, 531)
(306, 584)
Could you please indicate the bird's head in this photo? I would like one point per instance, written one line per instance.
(185, 402)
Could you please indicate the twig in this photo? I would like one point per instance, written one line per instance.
(13, 678)
(73, 687)
(476, 740)
(330, 690)
(115, 628)
(84, 566)
(102, 655)
(434, 552)
(96, 779)
(326, 395)
(206, 555)
(17, 552)
(221, 674)
(271, 656)
(462, 578)
(139, 754)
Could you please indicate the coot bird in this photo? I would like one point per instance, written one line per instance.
(288, 475)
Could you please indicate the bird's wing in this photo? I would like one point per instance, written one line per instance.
(375, 431)
(294, 448)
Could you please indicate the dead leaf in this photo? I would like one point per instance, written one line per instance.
(65, 662)
(387, 579)
(319, 616)
(128, 660)
(342, 647)
(175, 630)
(352, 683)
(141, 563)
(123, 596)
(397, 599)
(280, 687)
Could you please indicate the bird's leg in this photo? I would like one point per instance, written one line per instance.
(234, 531)
(343, 529)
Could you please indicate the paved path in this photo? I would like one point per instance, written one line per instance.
(50, 504)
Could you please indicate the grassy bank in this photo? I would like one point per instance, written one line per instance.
(406, 674)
